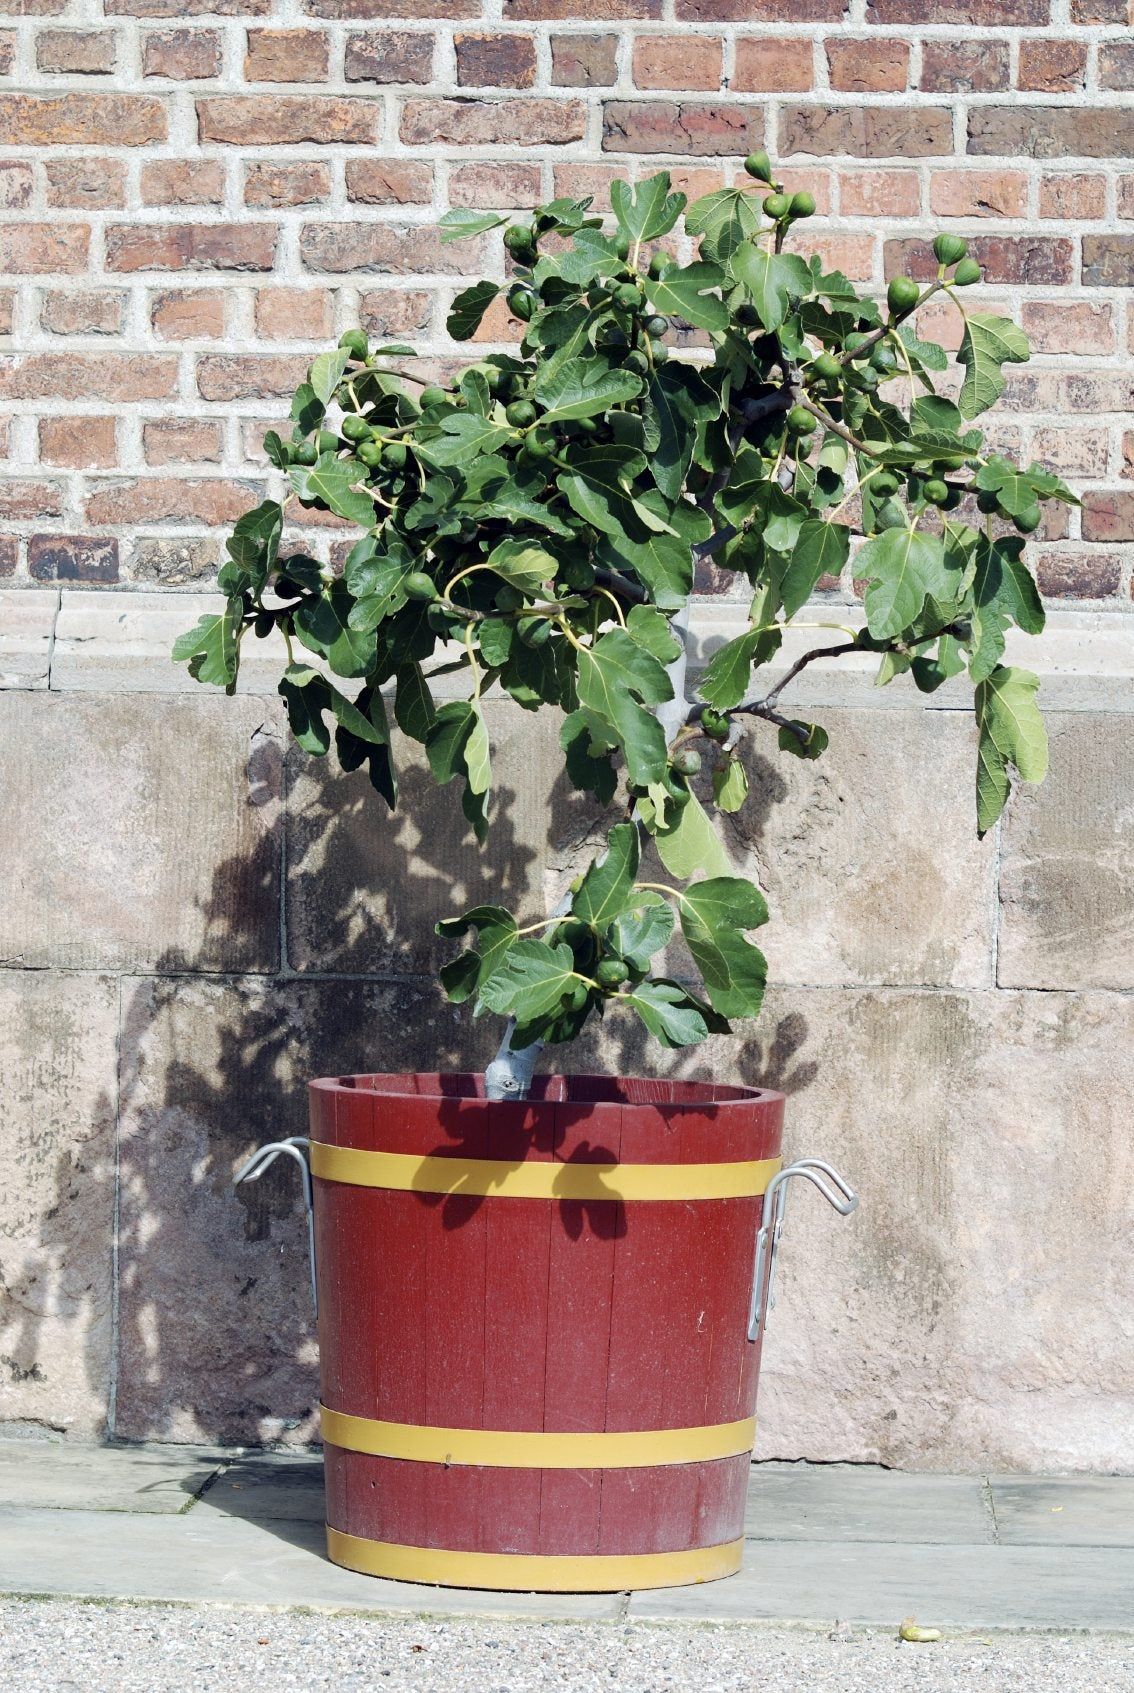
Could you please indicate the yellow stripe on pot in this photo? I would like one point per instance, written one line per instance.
(513, 1571)
(523, 1449)
(410, 1172)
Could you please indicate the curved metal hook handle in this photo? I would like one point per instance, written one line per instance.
(265, 1156)
(840, 1195)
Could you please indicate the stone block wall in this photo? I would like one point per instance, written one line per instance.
(195, 194)
(195, 917)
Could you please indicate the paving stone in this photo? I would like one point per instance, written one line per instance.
(27, 622)
(838, 1502)
(1064, 1510)
(104, 1478)
(141, 836)
(275, 1485)
(1067, 873)
(58, 1038)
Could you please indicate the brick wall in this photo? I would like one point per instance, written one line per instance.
(196, 193)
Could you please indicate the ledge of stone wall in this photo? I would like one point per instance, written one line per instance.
(118, 641)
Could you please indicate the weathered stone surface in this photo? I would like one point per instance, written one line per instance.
(27, 618)
(869, 856)
(365, 887)
(1067, 876)
(57, 1100)
(140, 834)
(966, 1314)
(216, 1340)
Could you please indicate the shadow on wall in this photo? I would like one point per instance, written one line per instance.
(214, 1336)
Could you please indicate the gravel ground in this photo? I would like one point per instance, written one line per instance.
(60, 1646)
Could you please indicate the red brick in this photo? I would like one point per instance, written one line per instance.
(15, 184)
(188, 314)
(1126, 196)
(584, 61)
(34, 249)
(964, 67)
(1102, 12)
(183, 182)
(1108, 261)
(678, 61)
(88, 376)
(559, 11)
(866, 132)
(1079, 574)
(190, 246)
(876, 66)
(1071, 195)
(296, 184)
(281, 120)
(79, 312)
(1068, 326)
(76, 52)
(90, 182)
(1087, 391)
(727, 128)
(187, 8)
(448, 10)
(796, 179)
(1003, 258)
(174, 560)
(171, 499)
(397, 249)
(383, 55)
(578, 181)
(495, 61)
(498, 327)
(772, 65)
(494, 186)
(182, 55)
(879, 193)
(1071, 452)
(394, 312)
(506, 123)
(72, 558)
(993, 14)
(1116, 64)
(1050, 132)
(78, 443)
(761, 11)
(852, 254)
(1052, 65)
(7, 51)
(389, 182)
(958, 193)
(238, 376)
(293, 314)
(175, 440)
(286, 55)
(81, 120)
(9, 555)
(1128, 454)
(35, 8)
(22, 502)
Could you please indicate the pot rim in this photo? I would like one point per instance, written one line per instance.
(668, 1093)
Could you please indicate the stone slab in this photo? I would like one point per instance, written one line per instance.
(58, 1089)
(966, 1587)
(839, 1502)
(1064, 1510)
(208, 1556)
(49, 1475)
(27, 626)
(141, 834)
(274, 1485)
(1067, 871)
(119, 641)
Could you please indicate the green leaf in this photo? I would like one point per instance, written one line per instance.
(307, 409)
(525, 564)
(495, 637)
(692, 844)
(598, 489)
(478, 753)
(517, 500)
(723, 221)
(331, 480)
(902, 566)
(327, 372)
(821, 549)
(803, 740)
(926, 353)
(642, 927)
(460, 223)
(648, 210)
(651, 629)
(589, 766)
(496, 933)
(253, 548)
(210, 646)
(531, 982)
(445, 747)
(668, 1013)
(583, 388)
(725, 681)
(730, 785)
(414, 711)
(686, 293)
(463, 435)
(614, 675)
(1011, 732)
(679, 400)
(323, 627)
(713, 914)
(468, 309)
(609, 882)
(307, 695)
(988, 343)
(773, 280)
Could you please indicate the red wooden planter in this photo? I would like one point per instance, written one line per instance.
(532, 1326)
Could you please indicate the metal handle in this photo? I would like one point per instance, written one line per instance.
(259, 1162)
(845, 1200)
